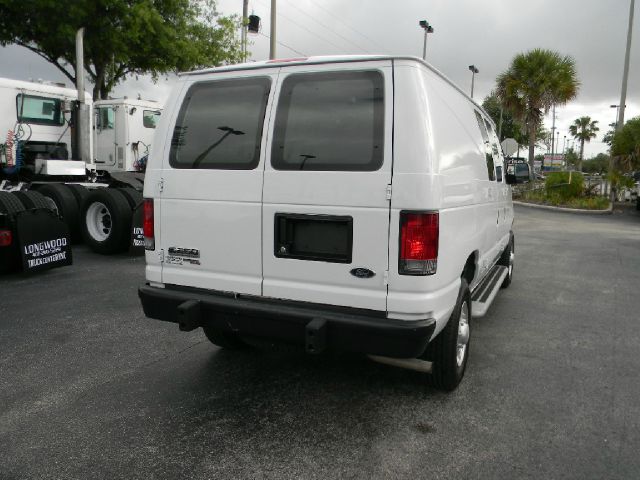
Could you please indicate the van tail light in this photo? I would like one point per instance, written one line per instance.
(419, 234)
(6, 238)
(147, 224)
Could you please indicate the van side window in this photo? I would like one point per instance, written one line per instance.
(219, 125)
(330, 121)
(488, 153)
(499, 173)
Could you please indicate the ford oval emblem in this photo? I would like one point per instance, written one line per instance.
(362, 272)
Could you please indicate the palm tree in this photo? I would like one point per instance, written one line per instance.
(583, 129)
(534, 82)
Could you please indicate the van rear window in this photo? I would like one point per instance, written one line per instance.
(330, 121)
(219, 125)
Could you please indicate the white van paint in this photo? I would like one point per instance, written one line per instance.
(434, 159)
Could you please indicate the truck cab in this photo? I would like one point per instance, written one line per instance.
(123, 131)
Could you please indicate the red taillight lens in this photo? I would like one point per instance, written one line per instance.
(418, 243)
(147, 224)
(6, 238)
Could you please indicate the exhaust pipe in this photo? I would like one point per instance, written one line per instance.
(414, 364)
(80, 64)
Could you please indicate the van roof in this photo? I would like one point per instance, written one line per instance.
(287, 62)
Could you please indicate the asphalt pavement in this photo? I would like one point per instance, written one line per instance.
(91, 389)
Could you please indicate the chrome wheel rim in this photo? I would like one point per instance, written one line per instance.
(99, 221)
(463, 334)
(512, 257)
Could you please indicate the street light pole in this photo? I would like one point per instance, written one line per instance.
(474, 70)
(245, 12)
(427, 29)
(625, 75)
(272, 33)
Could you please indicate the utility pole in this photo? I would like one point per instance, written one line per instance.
(427, 29)
(474, 70)
(243, 37)
(272, 34)
(625, 75)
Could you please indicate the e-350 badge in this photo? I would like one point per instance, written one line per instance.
(180, 256)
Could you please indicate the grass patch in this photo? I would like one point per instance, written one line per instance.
(542, 197)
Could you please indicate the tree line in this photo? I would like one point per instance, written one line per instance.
(525, 92)
(136, 37)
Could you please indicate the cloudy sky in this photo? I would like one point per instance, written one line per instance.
(486, 33)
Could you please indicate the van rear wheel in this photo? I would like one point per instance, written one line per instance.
(227, 340)
(449, 351)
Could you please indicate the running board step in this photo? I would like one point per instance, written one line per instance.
(483, 295)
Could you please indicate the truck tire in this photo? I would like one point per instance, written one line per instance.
(507, 259)
(449, 351)
(227, 340)
(33, 199)
(106, 221)
(79, 193)
(10, 204)
(66, 206)
(133, 196)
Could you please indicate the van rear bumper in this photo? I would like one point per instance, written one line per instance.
(313, 325)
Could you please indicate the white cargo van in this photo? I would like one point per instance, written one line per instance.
(356, 203)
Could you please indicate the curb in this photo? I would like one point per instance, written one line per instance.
(608, 211)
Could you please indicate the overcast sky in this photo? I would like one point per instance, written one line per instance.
(486, 33)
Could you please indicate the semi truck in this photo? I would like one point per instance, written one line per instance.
(82, 160)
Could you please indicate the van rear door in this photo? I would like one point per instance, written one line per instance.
(327, 183)
(211, 199)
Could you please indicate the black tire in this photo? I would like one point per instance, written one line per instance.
(227, 340)
(507, 260)
(10, 204)
(67, 206)
(442, 351)
(638, 202)
(79, 193)
(106, 221)
(133, 196)
(32, 199)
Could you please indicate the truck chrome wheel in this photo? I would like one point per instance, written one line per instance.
(98, 220)
(463, 334)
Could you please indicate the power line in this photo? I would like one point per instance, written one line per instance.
(347, 25)
(306, 29)
(328, 28)
(285, 45)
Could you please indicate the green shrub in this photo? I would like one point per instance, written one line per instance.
(555, 199)
(589, 203)
(557, 184)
